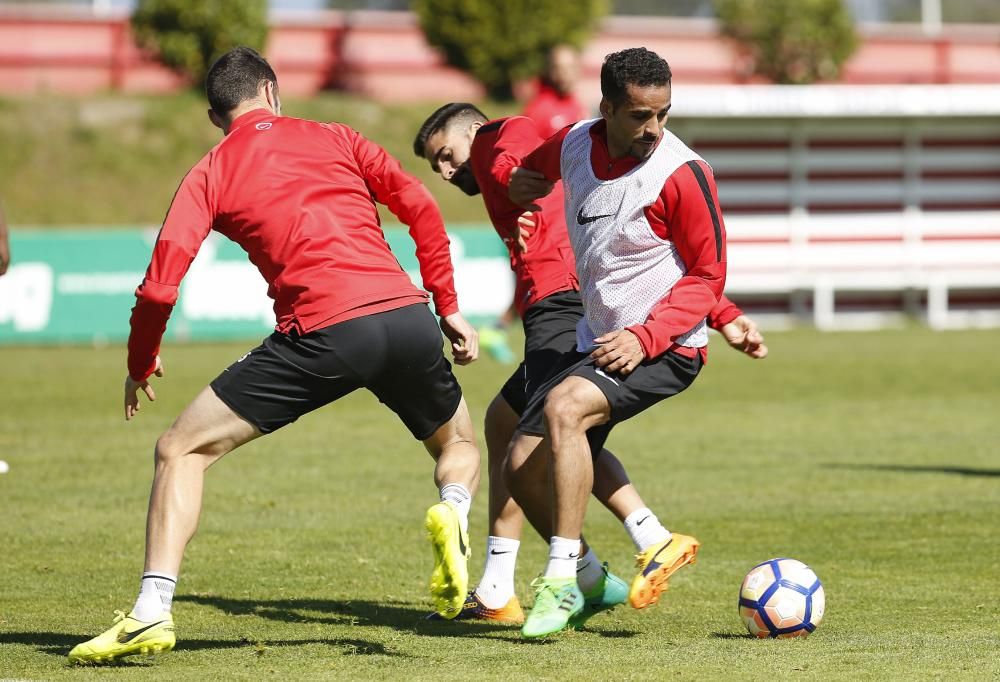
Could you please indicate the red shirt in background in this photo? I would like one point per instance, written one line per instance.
(552, 111)
(548, 266)
(299, 197)
(687, 214)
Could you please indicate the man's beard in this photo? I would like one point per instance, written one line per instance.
(465, 180)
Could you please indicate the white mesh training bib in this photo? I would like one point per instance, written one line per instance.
(623, 267)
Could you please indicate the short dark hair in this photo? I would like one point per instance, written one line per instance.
(448, 115)
(236, 77)
(634, 66)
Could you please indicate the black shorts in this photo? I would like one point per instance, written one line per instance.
(397, 355)
(649, 383)
(549, 333)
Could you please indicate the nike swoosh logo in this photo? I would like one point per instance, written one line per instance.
(126, 637)
(653, 563)
(583, 220)
(493, 551)
(598, 370)
(639, 523)
(574, 556)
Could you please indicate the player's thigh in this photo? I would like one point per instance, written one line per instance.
(207, 427)
(576, 403)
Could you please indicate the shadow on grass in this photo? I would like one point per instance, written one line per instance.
(59, 644)
(915, 469)
(350, 612)
(732, 635)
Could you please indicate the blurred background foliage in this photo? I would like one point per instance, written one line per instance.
(791, 41)
(189, 36)
(500, 43)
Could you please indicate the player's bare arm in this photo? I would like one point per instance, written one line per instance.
(132, 388)
(618, 351)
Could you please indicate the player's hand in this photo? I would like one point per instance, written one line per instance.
(526, 186)
(743, 335)
(132, 391)
(618, 351)
(463, 336)
(525, 227)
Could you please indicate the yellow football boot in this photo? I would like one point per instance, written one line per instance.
(127, 637)
(450, 541)
(656, 564)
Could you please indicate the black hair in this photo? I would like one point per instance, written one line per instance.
(236, 77)
(634, 66)
(449, 114)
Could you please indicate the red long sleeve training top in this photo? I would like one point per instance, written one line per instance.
(687, 213)
(548, 266)
(299, 197)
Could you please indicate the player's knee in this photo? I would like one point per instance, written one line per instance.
(167, 449)
(564, 410)
(515, 464)
(499, 426)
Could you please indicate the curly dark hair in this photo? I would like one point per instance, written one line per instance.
(634, 66)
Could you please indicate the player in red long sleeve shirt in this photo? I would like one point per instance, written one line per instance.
(477, 156)
(299, 197)
(649, 242)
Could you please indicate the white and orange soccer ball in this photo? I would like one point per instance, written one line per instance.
(781, 598)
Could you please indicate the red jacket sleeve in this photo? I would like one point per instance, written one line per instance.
(692, 214)
(723, 313)
(518, 137)
(188, 222)
(413, 204)
(545, 158)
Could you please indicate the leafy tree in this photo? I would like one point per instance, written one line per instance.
(502, 41)
(791, 41)
(189, 35)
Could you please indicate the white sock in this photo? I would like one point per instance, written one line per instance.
(156, 595)
(645, 529)
(589, 572)
(563, 553)
(458, 495)
(496, 587)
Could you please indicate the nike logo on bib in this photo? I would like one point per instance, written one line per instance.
(583, 220)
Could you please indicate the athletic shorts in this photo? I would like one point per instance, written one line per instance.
(397, 355)
(549, 333)
(649, 383)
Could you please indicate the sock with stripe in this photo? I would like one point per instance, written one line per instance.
(589, 572)
(156, 595)
(458, 495)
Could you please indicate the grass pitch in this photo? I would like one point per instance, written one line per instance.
(872, 457)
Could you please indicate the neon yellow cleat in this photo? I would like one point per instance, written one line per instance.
(656, 564)
(127, 637)
(450, 541)
(557, 600)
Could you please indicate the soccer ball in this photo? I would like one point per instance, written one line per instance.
(781, 598)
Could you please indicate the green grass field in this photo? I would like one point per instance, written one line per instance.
(872, 457)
